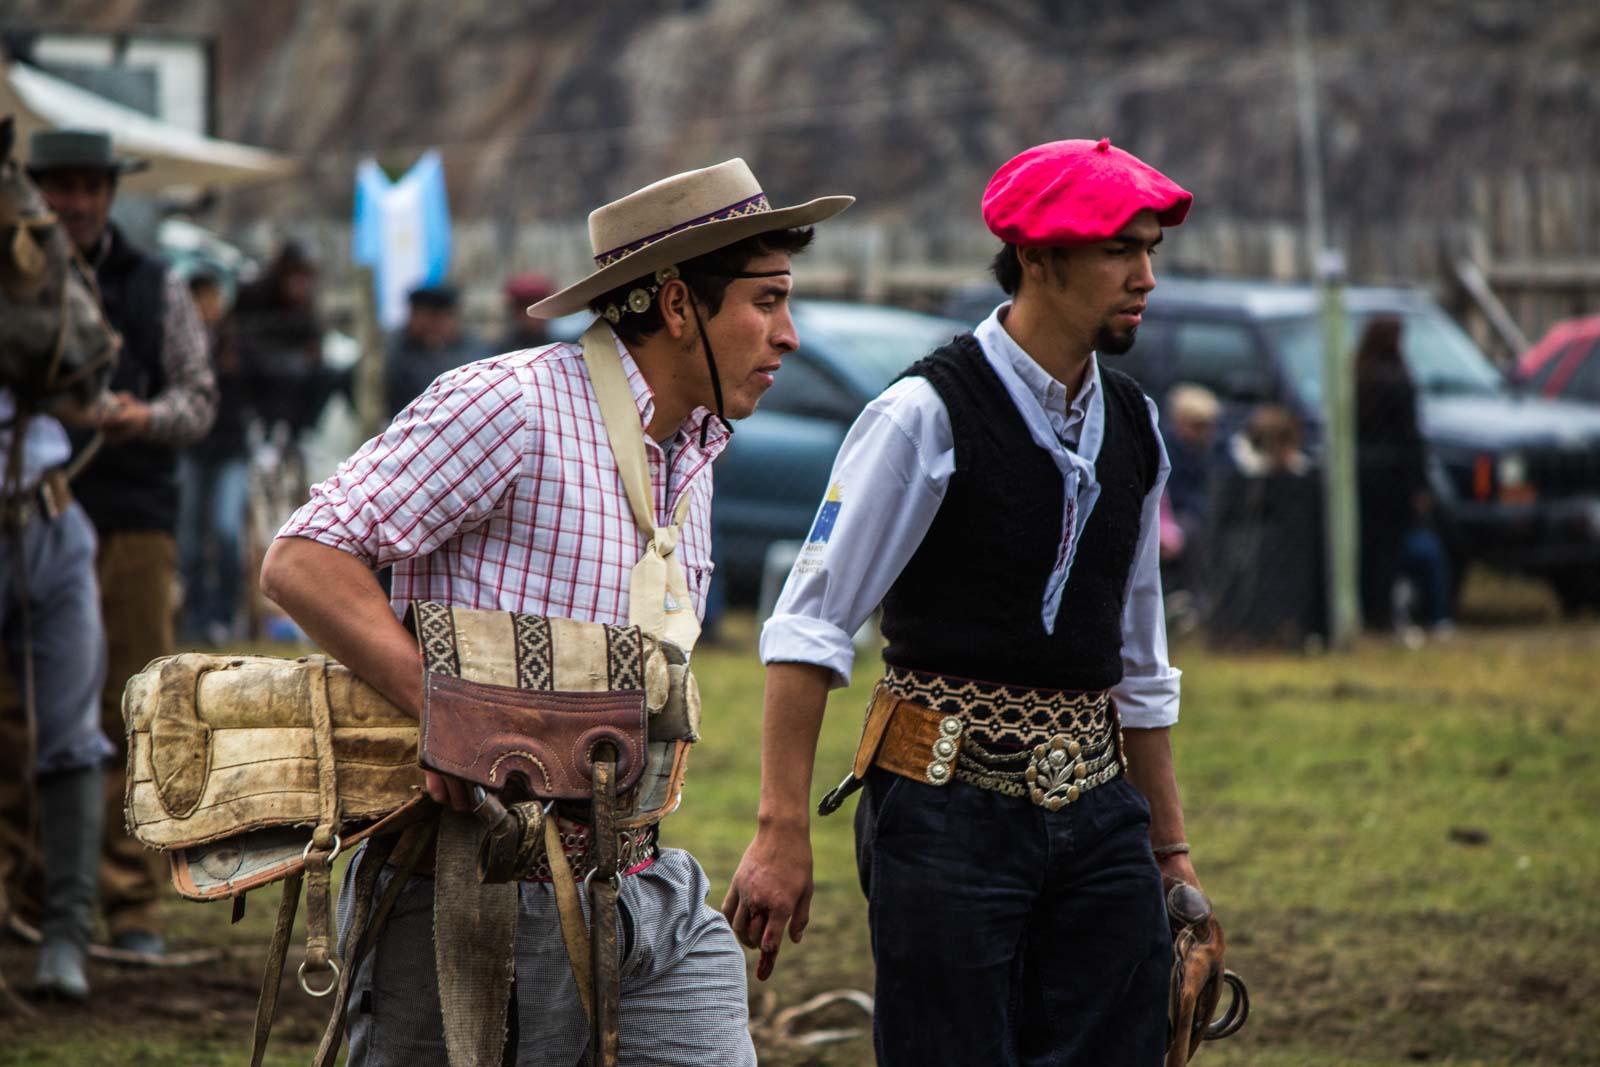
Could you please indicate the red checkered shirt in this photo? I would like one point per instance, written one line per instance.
(497, 489)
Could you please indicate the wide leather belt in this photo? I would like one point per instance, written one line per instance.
(635, 850)
(1051, 746)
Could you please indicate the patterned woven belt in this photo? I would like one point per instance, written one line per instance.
(1050, 746)
(635, 849)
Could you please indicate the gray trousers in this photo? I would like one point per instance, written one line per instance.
(683, 978)
(69, 642)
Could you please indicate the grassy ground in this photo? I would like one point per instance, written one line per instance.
(1401, 844)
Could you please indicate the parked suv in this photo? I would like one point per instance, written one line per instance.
(1516, 476)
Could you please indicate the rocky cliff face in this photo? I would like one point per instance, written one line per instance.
(543, 108)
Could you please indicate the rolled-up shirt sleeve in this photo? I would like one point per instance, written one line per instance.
(886, 486)
(1147, 696)
(443, 465)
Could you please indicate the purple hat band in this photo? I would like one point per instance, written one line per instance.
(754, 205)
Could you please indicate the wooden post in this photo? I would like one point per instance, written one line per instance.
(1341, 519)
(370, 409)
(1341, 503)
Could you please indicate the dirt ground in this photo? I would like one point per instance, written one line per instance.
(1401, 844)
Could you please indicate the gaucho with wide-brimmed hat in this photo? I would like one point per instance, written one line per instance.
(525, 486)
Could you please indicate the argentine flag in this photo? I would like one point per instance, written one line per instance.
(402, 231)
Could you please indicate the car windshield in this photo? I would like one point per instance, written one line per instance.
(1441, 358)
(880, 342)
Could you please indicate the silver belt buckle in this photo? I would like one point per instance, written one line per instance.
(1055, 771)
(944, 750)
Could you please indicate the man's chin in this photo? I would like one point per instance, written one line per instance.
(1115, 342)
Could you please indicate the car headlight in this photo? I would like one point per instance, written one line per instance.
(1511, 477)
(1512, 471)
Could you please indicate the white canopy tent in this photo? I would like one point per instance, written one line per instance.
(177, 157)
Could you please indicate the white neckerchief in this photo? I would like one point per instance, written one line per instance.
(1080, 489)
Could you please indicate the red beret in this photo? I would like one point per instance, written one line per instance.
(1076, 193)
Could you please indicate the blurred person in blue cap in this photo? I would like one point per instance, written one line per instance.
(163, 398)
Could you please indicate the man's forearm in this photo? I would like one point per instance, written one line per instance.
(1151, 771)
(796, 697)
(341, 607)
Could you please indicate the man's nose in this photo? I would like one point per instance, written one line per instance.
(1144, 279)
(787, 338)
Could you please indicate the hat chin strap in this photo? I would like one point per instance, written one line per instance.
(705, 345)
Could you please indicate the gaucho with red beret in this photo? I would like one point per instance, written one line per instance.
(1077, 193)
(1019, 807)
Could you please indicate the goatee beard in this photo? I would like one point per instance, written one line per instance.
(1108, 342)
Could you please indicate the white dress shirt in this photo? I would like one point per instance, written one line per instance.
(44, 446)
(886, 487)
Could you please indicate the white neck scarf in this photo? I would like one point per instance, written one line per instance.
(1080, 489)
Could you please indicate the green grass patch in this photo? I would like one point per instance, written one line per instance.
(1401, 845)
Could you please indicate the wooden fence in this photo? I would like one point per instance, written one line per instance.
(1522, 251)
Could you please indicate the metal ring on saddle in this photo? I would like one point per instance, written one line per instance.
(616, 879)
(305, 855)
(333, 965)
(1238, 1010)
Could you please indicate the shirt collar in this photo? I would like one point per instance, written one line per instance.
(644, 398)
(1052, 395)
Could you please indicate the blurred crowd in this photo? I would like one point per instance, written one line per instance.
(1243, 548)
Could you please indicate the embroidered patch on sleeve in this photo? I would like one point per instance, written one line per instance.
(810, 558)
(827, 515)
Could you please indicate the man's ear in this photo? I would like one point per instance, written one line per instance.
(1035, 261)
(676, 313)
(1041, 263)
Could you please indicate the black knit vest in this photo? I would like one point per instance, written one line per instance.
(133, 485)
(969, 602)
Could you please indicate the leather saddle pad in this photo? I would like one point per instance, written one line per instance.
(508, 695)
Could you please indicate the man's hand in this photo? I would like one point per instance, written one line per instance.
(449, 791)
(771, 889)
(125, 418)
(1179, 869)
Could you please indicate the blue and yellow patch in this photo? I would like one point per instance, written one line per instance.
(827, 515)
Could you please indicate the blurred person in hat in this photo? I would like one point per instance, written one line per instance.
(522, 329)
(1001, 501)
(495, 488)
(163, 398)
(1189, 430)
(433, 340)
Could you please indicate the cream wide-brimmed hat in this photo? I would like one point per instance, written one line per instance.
(675, 219)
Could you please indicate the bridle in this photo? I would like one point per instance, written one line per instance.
(27, 256)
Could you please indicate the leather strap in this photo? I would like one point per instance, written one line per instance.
(364, 931)
(475, 930)
(568, 906)
(603, 937)
(658, 593)
(325, 838)
(272, 980)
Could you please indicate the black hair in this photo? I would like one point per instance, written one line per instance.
(204, 279)
(707, 277)
(1007, 268)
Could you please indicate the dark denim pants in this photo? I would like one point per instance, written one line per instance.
(1005, 934)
